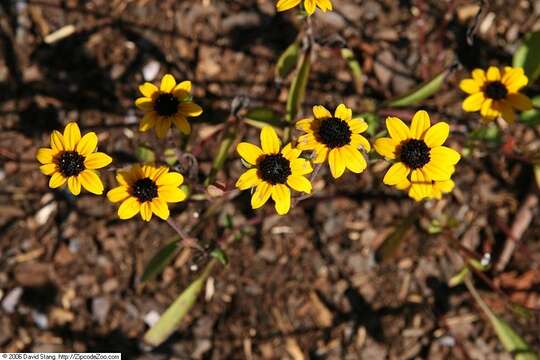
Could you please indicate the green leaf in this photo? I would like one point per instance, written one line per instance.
(527, 56)
(531, 117)
(459, 277)
(222, 154)
(261, 116)
(372, 120)
(172, 317)
(288, 60)
(509, 338)
(489, 133)
(298, 88)
(423, 91)
(159, 261)
(355, 67)
(220, 255)
(391, 243)
(170, 157)
(145, 153)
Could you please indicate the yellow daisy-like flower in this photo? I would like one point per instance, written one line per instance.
(336, 138)
(74, 159)
(171, 103)
(146, 190)
(435, 190)
(496, 93)
(273, 171)
(418, 152)
(309, 5)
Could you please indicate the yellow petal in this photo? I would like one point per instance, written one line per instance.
(420, 123)
(445, 186)
(48, 169)
(119, 193)
(269, 140)
(283, 5)
(321, 112)
(146, 211)
(167, 83)
(144, 103)
(249, 152)
(386, 147)
(56, 180)
(182, 124)
(170, 178)
(357, 125)
(160, 208)
(45, 155)
(148, 89)
(261, 195)
(300, 167)
(87, 144)
(307, 142)
(162, 126)
(309, 5)
(470, 86)
(479, 75)
(473, 102)
(190, 109)
(321, 154)
(129, 208)
(91, 182)
(353, 159)
(74, 185)
(514, 79)
(336, 163)
(324, 5)
(405, 184)
(493, 74)
(396, 174)
(437, 171)
(420, 184)
(248, 179)
(304, 124)
(171, 194)
(443, 154)
(72, 135)
(182, 90)
(359, 140)
(97, 160)
(520, 101)
(148, 121)
(290, 153)
(57, 141)
(282, 197)
(397, 129)
(487, 110)
(299, 183)
(342, 112)
(437, 134)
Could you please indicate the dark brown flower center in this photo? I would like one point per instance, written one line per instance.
(274, 169)
(414, 153)
(70, 163)
(166, 104)
(495, 90)
(145, 189)
(334, 133)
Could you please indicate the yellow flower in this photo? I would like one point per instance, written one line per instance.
(495, 93)
(418, 152)
(146, 189)
(171, 103)
(74, 159)
(309, 5)
(435, 190)
(336, 138)
(273, 171)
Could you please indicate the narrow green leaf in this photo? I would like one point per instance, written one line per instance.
(391, 243)
(298, 88)
(220, 255)
(288, 60)
(222, 154)
(262, 116)
(355, 67)
(172, 317)
(509, 338)
(421, 92)
(160, 260)
(527, 56)
(170, 157)
(459, 277)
